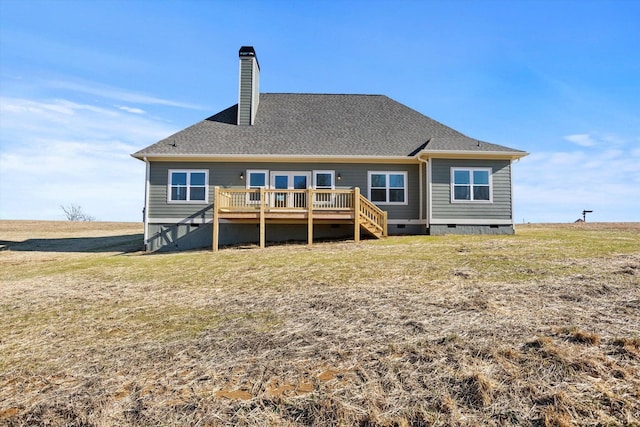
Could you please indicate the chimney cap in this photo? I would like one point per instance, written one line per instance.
(247, 51)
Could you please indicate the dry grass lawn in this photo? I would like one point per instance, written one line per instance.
(537, 329)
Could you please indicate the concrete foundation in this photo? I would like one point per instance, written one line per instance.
(440, 230)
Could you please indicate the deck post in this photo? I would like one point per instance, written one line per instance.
(262, 222)
(356, 214)
(216, 220)
(310, 216)
(385, 232)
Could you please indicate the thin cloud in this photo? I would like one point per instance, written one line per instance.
(118, 94)
(131, 110)
(53, 107)
(28, 119)
(581, 139)
(59, 152)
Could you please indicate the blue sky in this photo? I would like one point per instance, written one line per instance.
(83, 84)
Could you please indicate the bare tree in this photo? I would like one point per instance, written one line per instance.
(74, 212)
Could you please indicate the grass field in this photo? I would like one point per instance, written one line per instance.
(537, 329)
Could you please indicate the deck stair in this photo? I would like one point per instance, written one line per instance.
(372, 219)
(372, 229)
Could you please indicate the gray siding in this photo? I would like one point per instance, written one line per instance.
(356, 175)
(228, 175)
(158, 193)
(442, 208)
(248, 91)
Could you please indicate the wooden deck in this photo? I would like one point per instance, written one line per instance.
(307, 206)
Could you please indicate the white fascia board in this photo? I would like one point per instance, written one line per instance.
(470, 154)
(278, 158)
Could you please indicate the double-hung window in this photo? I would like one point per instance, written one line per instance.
(323, 180)
(389, 188)
(471, 185)
(188, 186)
(256, 179)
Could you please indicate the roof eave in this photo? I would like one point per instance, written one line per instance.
(471, 154)
(297, 158)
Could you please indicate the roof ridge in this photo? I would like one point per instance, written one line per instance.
(322, 93)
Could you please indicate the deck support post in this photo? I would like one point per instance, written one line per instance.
(262, 221)
(216, 219)
(385, 231)
(356, 214)
(310, 216)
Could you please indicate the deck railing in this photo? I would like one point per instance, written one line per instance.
(313, 203)
(376, 216)
(272, 199)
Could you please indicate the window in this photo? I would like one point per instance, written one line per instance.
(471, 185)
(388, 188)
(256, 179)
(324, 180)
(188, 186)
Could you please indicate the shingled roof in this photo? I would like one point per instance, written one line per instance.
(320, 125)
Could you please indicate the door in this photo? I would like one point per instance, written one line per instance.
(290, 181)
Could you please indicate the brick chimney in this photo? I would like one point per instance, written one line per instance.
(248, 93)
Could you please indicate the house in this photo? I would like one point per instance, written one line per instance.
(285, 166)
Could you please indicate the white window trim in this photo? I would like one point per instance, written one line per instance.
(307, 174)
(289, 196)
(248, 182)
(263, 171)
(322, 199)
(387, 173)
(189, 172)
(333, 179)
(471, 170)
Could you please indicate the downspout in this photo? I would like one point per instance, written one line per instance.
(428, 192)
(146, 204)
(421, 189)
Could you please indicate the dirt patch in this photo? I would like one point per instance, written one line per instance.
(9, 412)
(327, 375)
(289, 390)
(234, 394)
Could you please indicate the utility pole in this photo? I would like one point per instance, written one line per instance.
(584, 215)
